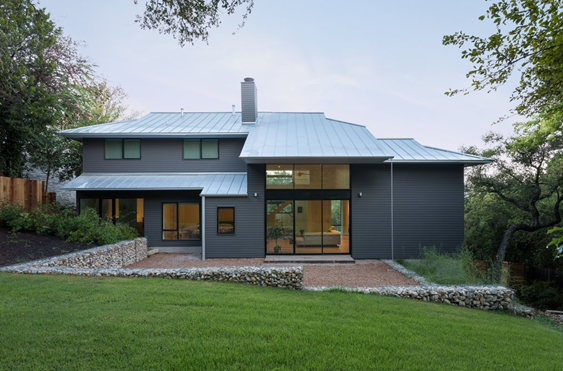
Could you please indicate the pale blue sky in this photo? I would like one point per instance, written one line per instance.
(376, 63)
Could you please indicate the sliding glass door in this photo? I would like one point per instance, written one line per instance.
(308, 227)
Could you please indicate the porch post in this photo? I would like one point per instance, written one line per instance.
(392, 217)
(202, 227)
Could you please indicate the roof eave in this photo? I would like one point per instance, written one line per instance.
(315, 159)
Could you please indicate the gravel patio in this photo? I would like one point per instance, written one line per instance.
(362, 273)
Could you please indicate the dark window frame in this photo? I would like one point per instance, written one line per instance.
(177, 230)
(225, 207)
(293, 188)
(200, 141)
(123, 149)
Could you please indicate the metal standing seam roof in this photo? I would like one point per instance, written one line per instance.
(279, 137)
(409, 150)
(210, 184)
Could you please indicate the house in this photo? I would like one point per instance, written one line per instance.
(224, 183)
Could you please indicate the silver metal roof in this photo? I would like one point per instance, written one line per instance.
(306, 137)
(210, 184)
(409, 150)
(278, 137)
(166, 124)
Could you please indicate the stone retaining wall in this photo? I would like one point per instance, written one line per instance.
(284, 277)
(109, 260)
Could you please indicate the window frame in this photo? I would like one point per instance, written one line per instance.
(122, 140)
(177, 230)
(226, 207)
(200, 142)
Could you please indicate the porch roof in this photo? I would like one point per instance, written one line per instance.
(210, 184)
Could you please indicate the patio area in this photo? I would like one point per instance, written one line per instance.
(362, 273)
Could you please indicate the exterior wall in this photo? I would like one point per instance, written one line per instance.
(153, 211)
(163, 155)
(428, 209)
(249, 238)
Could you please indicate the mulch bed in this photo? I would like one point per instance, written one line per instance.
(24, 246)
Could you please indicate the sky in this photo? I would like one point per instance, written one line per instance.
(370, 62)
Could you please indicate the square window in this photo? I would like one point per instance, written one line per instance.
(114, 150)
(191, 149)
(131, 148)
(209, 148)
(225, 220)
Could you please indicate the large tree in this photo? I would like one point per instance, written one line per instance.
(528, 43)
(527, 174)
(189, 20)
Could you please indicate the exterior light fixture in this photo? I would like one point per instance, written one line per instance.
(255, 194)
(360, 194)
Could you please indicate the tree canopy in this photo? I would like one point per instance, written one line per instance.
(528, 42)
(526, 175)
(188, 21)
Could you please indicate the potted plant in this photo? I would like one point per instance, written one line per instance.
(302, 231)
(276, 232)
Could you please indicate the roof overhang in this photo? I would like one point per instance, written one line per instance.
(316, 160)
(81, 136)
(210, 184)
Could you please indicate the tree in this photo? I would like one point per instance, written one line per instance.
(27, 94)
(528, 175)
(187, 21)
(528, 41)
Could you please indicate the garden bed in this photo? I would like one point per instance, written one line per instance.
(21, 247)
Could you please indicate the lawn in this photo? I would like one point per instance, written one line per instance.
(95, 323)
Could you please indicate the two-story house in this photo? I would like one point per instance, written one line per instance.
(250, 183)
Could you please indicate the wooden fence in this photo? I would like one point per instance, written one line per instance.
(24, 192)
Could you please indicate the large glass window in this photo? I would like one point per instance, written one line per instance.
(225, 220)
(116, 149)
(308, 176)
(279, 176)
(195, 149)
(180, 221)
(128, 211)
(279, 226)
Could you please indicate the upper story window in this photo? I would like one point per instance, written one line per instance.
(195, 149)
(117, 149)
(307, 176)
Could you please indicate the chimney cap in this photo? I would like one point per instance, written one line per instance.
(248, 79)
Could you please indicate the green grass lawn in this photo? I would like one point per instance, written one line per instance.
(91, 323)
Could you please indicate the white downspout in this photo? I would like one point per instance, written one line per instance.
(202, 227)
(392, 217)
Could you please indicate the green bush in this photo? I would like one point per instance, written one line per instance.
(448, 269)
(86, 228)
(542, 295)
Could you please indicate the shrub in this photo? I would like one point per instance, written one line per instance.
(86, 228)
(542, 295)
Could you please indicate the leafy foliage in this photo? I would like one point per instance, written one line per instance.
(86, 228)
(528, 41)
(188, 21)
(542, 295)
(527, 176)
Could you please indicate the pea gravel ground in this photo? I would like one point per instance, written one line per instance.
(362, 273)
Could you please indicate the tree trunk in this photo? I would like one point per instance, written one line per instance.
(46, 184)
(501, 252)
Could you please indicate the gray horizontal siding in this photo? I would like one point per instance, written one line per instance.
(163, 155)
(371, 213)
(428, 209)
(249, 238)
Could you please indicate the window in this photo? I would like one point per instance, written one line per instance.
(180, 221)
(117, 149)
(195, 149)
(225, 220)
(307, 176)
(130, 211)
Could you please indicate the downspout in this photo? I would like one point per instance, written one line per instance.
(202, 227)
(392, 216)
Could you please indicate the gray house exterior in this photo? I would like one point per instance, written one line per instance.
(224, 183)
